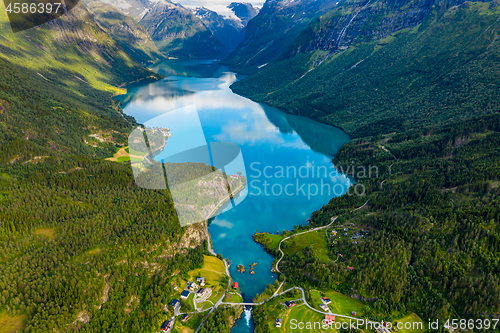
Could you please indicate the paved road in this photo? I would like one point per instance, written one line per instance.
(361, 206)
(276, 294)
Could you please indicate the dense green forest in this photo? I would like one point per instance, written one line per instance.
(431, 223)
(421, 103)
(221, 320)
(82, 248)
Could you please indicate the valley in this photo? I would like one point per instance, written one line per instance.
(364, 187)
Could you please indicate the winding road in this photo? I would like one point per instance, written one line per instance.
(276, 293)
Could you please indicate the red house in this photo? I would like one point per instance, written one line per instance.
(329, 319)
(235, 285)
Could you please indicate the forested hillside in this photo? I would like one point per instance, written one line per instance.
(74, 69)
(435, 213)
(134, 39)
(81, 246)
(378, 77)
(429, 224)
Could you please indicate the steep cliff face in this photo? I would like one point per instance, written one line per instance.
(388, 66)
(133, 8)
(270, 33)
(134, 39)
(175, 30)
(179, 33)
(226, 29)
(74, 43)
(364, 21)
(244, 11)
(229, 30)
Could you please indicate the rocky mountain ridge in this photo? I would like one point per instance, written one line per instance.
(272, 31)
(178, 33)
(364, 21)
(228, 30)
(245, 11)
(385, 66)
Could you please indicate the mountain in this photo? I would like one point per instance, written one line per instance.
(388, 66)
(229, 31)
(133, 8)
(271, 32)
(416, 85)
(73, 226)
(175, 30)
(72, 65)
(134, 39)
(179, 33)
(244, 11)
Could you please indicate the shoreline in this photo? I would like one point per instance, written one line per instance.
(238, 190)
(217, 207)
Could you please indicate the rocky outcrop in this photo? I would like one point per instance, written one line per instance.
(366, 21)
(134, 39)
(244, 11)
(362, 298)
(285, 28)
(194, 235)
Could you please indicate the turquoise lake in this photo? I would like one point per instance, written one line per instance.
(291, 154)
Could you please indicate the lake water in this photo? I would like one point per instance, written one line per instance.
(291, 154)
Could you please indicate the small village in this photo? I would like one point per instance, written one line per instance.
(196, 293)
(201, 291)
(326, 306)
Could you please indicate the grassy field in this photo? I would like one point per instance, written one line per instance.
(343, 304)
(213, 270)
(316, 240)
(302, 314)
(124, 154)
(274, 240)
(47, 232)
(233, 298)
(275, 309)
(412, 328)
(316, 296)
(189, 326)
(340, 304)
(10, 324)
(94, 251)
(216, 295)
